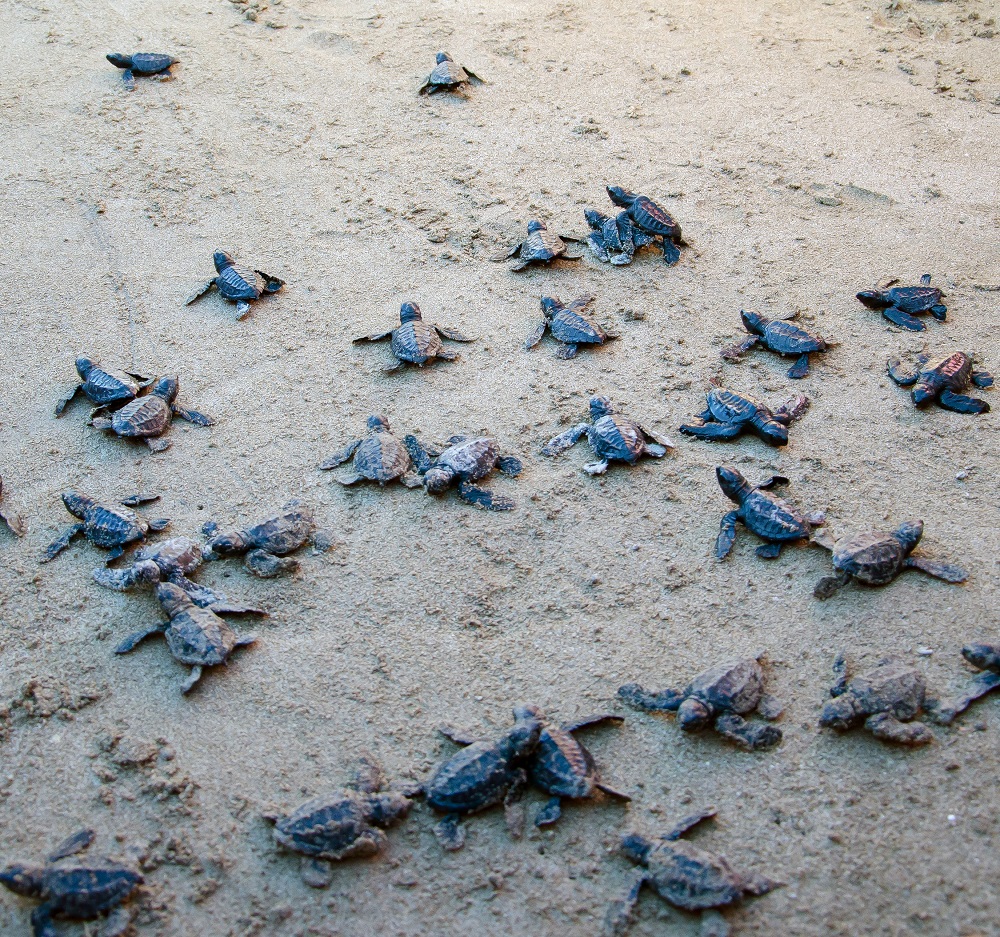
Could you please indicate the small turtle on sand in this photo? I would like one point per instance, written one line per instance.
(985, 657)
(613, 436)
(415, 341)
(481, 775)
(569, 325)
(266, 544)
(107, 526)
(875, 559)
(541, 246)
(467, 459)
(652, 218)
(380, 457)
(344, 824)
(887, 699)
(17, 524)
(448, 75)
(767, 515)
(730, 413)
(683, 875)
(196, 636)
(102, 386)
(943, 380)
(901, 304)
(82, 890)
(237, 283)
(615, 240)
(144, 64)
(780, 336)
(721, 696)
(148, 417)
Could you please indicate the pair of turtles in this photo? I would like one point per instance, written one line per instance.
(415, 341)
(729, 413)
(902, 304)
(781, 336)
(237, 283)
(942, 380)
(143, 64)
(643, 222)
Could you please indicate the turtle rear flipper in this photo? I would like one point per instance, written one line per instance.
(662, 701)
(662, 441)
(338, 458)
(374, 337)
(157, 443)
(903, 319)
(961, 403)
(550, 813)
(188, 685)
(192, 416)
(749, 736)
(980, 685)
(60, 544)
(242, 311)
(596, 468)
(619, 913)
(449, 832)
(982, 378)
(565, 440)
(939, 311)
(734, 352)
(903, 378)
(596, 720)
(120, 580)
(201, 291)
(134, 639)
(612, 792)
(159, 523)
(828, 585)
(755, 884)
(769, 551)
(671, 252)
(17, 524)
(567, 350)
(945, 571)
(513, 808)
(792, 409)
(410, 480)
(712, 430)
(597, 245)
(482, 498)
(727, 535)
(419, 455)
(689, 823)
(348, 480)
(889, 729)
(801, 367)
(510, 465)
(446, 354)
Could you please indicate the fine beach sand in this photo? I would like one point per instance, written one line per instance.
(808, 150)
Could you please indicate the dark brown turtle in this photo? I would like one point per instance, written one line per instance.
(466, 459)
(448, 75)
(683, 875)
(541, 246)
(107, 526)
(237, 283)
(148, 417)
(81, 890)
(875, 559)
(569, 325)
(886, 699)
(730, 413)
(721, 696)
(615, 240)
(344, 824)
(380, 457)
(415, 341)
(102, 386)
(144, 64)
(781, 336)
(986, 658)
(768, 516)
(613, 437)
(943, 380)
(902, 304)
(196, 636)
(652, 218)
(15, 523)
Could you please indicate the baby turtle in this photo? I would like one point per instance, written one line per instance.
(266, 544)
(875, 559)
(448, 75)
(237, 283)
(16, 524)
(902, 304)
(415, 341)
(541, 246)
(985, 657)
(345, 824)
(724, 693)
(613, 437)
(569, 325)
(483, 774)
(144, 64)
(196, 636)
(380, 457)
(887, 698)
(730, 413)
(943, 380)
(683, 875)
(652, 218)
(768, 516)
(615, 240)
(148, 417)
(466, 460)
(83, 890)
(107, 526)
(102, 386)
(781, 336)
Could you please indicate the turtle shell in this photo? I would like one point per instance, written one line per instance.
(787, 338)
(614, 436)
(240, 282)
(472, 458)
(735, 686)
(199, 636)
(542, 245)
(144, 416)
(955, 369)
(176, 555)
(476, 777)
(653, 218)
(895, 688)
(914, 298)
(561, 765)
(874, 559)
(727, 406)
(285, 532)
(103, 387)
(692, 879)
(571, 327)
(773, 518)
(327, 827)
(447, 74)
(381, 458)
(85, 890)
(151, 63)
(113, 526)
(416, 342)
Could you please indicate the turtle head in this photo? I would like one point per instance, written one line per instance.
(24, 880)
(525, 711)
(534, 226)
(550, 306)
(732, 482)
(774, 432)
(84, 366)
(522, 738)
(753, 322)
(229, 543)
(983, 656)
(909, 534)
(923, 392)
(443, 57)
(600, 406)
(594, 218)
(385, 808)
(409, 312)
(119, 60)
(378, 424)
(166, 387)
(438, 477)
(222, 260)
(621, 197)
(172, 598)
(636, 847)
(693, 715)
(873, 299)
(840, 713)
(76, 503)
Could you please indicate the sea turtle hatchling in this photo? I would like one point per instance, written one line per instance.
(985, 657)
(448, 75)
(196, 636)
(613, 437)
(108, 526)
(380, 457)
(570, 326)
(344, 824)
(653, 218)
(943, 380)
(81, 890)
(238, 283)
(730, 413)
(721, 696)
(415, 341)
(104, 387)
(886, 699)
(483, 774)
(771, 518)
(144, 64)
(540, 246)
(683, 875)
(615, 240)
(781, 336)
(901, 304)
(466, 459)
(266, 544)
(14, 522)
(875, 559)
(148, 417)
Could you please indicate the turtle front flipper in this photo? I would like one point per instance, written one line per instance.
(533, 339)
(374, 337)
(671, 252)
(662, 441)
(769, 551)
(727, 535)
(201, 291)
(510, 465)
(453, 334)
(734, 352)
(513, 808)
(339, 458)
(449, 832)
(596, 468)
(457, 735)
(188, 685)
(266, 565)
(712, 430)
(894, 369)
(960, 403)
(128, 79)
(595, 720)
(889, 729)
(661, 701)
(271, 284)
(939, 311)
(446, 354)
(60, 544)
(597, 245)
(828, 585)
(903, 319)
(980, 685)
(137, 637)
(67, 399)
(564, 441)
(73, 845)
(567, 351)
(982, 378)
(42, 924)
(619, 913)
(121, 580)
(945, 571)
(474, 77)
(480, 497)
(749, 736)
(801, 367)
(192, 416)
(551, 812)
